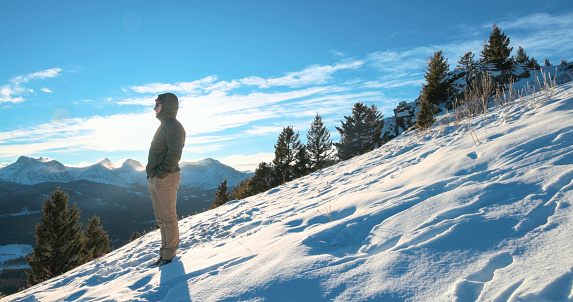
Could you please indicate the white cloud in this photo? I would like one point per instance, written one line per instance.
(313, 75)
(13, 92)
(47, 90)
(182, 87)
(337, 53)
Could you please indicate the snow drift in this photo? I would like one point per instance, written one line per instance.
(429, 217)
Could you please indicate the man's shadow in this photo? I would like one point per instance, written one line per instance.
(174, 280)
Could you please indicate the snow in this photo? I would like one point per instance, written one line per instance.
(427, 217)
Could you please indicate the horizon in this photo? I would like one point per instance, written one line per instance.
(79, 80)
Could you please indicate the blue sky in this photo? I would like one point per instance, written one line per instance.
(79, 78)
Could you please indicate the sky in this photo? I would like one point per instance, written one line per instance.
(79, 79)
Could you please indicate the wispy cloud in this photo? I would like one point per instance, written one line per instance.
(183, 87)
(14, 92)
(313, 75)
(542, 35)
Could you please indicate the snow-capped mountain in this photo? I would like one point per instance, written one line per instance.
(442, 215)
(103, 172)
(208, 173)
(32, 171)
(205, 174)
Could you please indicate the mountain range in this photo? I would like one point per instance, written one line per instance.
(118, 195)
(205, 174)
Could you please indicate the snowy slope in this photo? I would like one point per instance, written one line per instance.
(424, 218)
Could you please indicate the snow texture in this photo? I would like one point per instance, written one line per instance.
(426, 217)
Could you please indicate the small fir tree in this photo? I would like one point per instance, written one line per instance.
(302, 165)
(59, 242)
(361, 131)
(97, 240)
(563, 62)
(243, 189)
(547, 62)
(222, 196)
(319, 145)
(521, 57)
(496, 50)
(286, 148)
(263, 178)
(425, 115)
(436, 88)
(532, 63)
(467, 62)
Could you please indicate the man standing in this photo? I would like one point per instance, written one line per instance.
(163, 174)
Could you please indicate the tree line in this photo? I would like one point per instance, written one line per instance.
(360, 132)
(494, 56)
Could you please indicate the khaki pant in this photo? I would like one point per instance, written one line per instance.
(164, 198)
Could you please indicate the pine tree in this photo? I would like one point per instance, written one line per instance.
(361, 131)
(243, 189)
(496, 50)
(302, 166)
(97, 240)
(520, 56)
(286, 147)
(425, 115)
(467, 62)
(436, 88)
(59, 242)
(532, 63)
(563, 62)
(547, 62)
(319, 145)
(222, 196)
(263, 179)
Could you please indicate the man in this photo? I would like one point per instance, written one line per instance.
(163, 174)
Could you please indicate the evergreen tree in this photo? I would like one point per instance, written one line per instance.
(547, 62)
(134, 236)
(496, 50)
(97, 240)
(361, 131)
(302, 165)
(563, 62)
(59, 242)
(319, 145)
(286, 148)
(520, 56)
(532, 63)
(222, 196)
(263, 178)
(436, 88)
(425, 115)
(467, 62)
(243, 189)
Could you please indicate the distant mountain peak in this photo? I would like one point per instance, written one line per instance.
(106, 163)
(132, 163)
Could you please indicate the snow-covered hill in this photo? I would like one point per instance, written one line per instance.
(424, 218)
(205, 174)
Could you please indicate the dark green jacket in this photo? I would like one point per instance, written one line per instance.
(168, 141)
